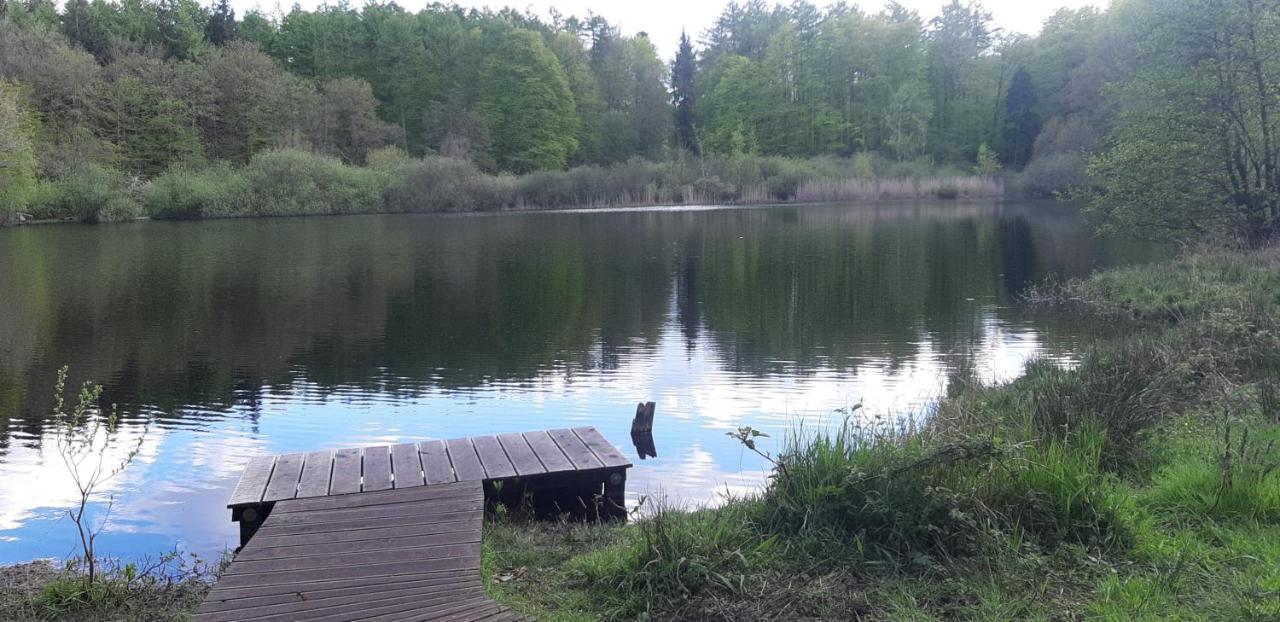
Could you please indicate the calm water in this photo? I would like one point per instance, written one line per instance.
(238, 338)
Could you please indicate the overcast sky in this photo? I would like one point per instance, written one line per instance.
(663, 19)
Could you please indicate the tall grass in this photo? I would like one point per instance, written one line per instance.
(854, 189)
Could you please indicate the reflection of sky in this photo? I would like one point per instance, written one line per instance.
(174, 494)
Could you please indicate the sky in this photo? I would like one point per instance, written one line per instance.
(663, 19)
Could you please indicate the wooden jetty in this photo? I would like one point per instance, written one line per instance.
(393, 532)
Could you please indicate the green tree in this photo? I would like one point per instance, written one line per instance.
(1196, 147)
(683, 95)
(1021, 123)
(525, 99)
(182, 24)
(587, 99)
(958, 40)
(221, 28)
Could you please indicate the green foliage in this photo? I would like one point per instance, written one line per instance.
(1194, 150)
(214, 192)
(672, 555)
(436, 184)
(289, 183)
(88, 193)
(18, 166)
(988, 163)
(525, 99)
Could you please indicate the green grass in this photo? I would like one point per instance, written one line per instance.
(164, 588)
(1141, 484)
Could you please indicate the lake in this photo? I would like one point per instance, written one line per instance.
(222, 340)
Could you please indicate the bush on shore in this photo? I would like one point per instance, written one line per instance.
(88, 192)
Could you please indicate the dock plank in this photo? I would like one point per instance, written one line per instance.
(437, 491)
(609, 455)
(466, 464)
(284, 478)
(253, 481)
(548, 452)
(493, 457)
(435, 463)
(522, 457)
(575, 449)
(315, 475)
(406, 465)
(346, 471)
(377, 468)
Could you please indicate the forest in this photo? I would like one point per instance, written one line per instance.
(1160, 115)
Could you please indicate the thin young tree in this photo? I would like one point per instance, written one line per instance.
(85, 435)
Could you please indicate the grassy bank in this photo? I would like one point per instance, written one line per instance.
(291, 183)
(163, 588)
(1143, 484)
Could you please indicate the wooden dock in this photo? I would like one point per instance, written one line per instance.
(393, 532)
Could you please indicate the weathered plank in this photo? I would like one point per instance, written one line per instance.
(377, 468)
(548, 452)
(406, 465)
(602, 448)
(346, 471)
(435, 463)
(493, 458)
(377, 512)
(522, 457)
(284, 478)
(575, 449)
(390, 521)
(315, 475)
(381, 497)
(386, 543)
(324, 599)
(328, 559)
(466, 465)
(449, 527)
(223, 598)
(253, 482)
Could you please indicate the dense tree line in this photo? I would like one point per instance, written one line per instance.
(1180, 100)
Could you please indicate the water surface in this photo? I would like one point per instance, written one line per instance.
(222, 340)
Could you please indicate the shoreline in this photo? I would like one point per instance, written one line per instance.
(622, 208)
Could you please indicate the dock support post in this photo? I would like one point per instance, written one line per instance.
(249, 519)
(615, 495)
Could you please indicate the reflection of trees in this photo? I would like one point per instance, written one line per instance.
(215, 313)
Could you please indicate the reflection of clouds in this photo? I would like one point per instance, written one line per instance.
(37, 477)
(175, 495)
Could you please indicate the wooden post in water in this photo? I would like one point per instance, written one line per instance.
(643, 423)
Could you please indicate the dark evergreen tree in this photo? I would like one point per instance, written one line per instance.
(682, 94)
(221, 28)
(1021, 123)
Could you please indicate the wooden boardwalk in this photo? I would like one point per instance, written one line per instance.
(391, 555)
(393, 532)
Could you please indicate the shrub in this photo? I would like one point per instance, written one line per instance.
(90, 192)
(217, 192)
(291, 182)
(1049, 176)
(439, 184)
